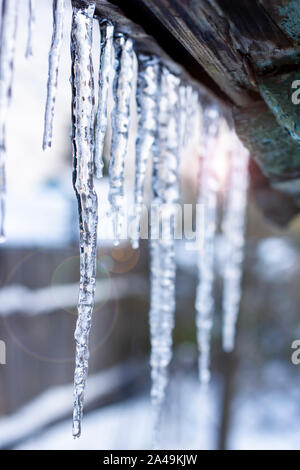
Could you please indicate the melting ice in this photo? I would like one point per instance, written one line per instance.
(147, 101)
(234, 221)
(163, 267)
(83, 157)
(54, 56)
(122, 89)
(166, 110)
(208, 194)
(105, 72)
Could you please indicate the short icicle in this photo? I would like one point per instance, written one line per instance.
(105, 71)
(7, 54)
(31, 25)
(54, 58)
(122, 89)
(233, 227)
(146, 96)
(192, 105)
(83, 153)
(162, 246)
(207, 198)
(183, 119)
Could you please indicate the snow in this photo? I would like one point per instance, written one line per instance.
(190, 424)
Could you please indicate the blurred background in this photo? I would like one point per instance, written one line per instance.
(253, 401)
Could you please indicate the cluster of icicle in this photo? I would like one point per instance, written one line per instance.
(166, 107)
(235, 185)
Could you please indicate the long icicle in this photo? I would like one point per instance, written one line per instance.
(233, 226)
(122, 89)
(7, 53)
(146, 96)
(162, 249)
(54, 57)
(207, 198)
(82, 139)
(31, 24)
(105, 71)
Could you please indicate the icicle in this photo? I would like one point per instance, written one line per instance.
(208, 188)
(122, 88)
(31, 23)
(192, 102)
(183, 118)
(105, 71)
(54, 56)
(147, 92)
(83, 116)
(7, 52)
(234, 232)
(163, 266)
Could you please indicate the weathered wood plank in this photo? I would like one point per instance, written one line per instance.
(233, 40)
(151, 38)
(194, 25)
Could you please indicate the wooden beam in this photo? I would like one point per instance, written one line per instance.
(243, 51)
(233, 40)
(151, 37)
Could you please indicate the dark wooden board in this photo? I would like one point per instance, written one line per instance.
(233, 40)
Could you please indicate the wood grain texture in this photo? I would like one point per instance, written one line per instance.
(233, 40)
(151, 37)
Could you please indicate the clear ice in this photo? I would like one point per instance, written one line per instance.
(233, 226)
(165, 186)
(7, 52)
(105, 71)
(207, 198)
(122, 89)
(83, 153)
(54, 56)
(146, 97)
(31, 24)
(192, 105)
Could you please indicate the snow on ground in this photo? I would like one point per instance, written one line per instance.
(263, 420)
(127, 425)
(264, 417)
